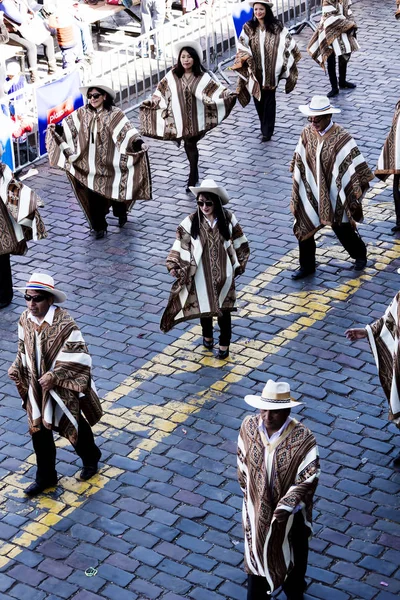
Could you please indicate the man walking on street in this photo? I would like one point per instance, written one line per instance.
(52, 372)
(278, 470)
(330, 177)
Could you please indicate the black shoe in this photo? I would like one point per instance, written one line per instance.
(88, 472)
(396, 228)
(334, 92)
(347, 85)
(301, 273)
(209, 344)
(100, 234)
(37, 488)
(122, 220)
(266, 138)
(222, 354)
(360, 264)
(396, 463)
(188, 191)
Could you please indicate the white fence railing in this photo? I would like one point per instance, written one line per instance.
(135, 67)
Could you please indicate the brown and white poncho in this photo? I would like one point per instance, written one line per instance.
(294, 478)
(20, 220)
(266, 59)
(206, 268)
(330, 177)
(336, 32)
(63, 352)
(383, 336)
(97, 150)
(389, 160)
(185, 107)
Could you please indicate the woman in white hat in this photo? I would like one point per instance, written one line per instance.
(188, 102)
(104, 157)
(210, 250)
(267, 53)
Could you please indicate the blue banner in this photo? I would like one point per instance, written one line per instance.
(6, 145)
(241, 13)
(55, 101)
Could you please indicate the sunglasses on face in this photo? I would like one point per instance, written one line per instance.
(205, 203)
(38, 298)
(316, 119)
(95, 96)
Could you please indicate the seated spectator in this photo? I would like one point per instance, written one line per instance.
(19, 19)
(17, 88)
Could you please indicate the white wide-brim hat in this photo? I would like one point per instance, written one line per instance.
(43, 283)
(253, 2)
(275, 396)
(209, 185)
(188, 44)
(99, 85)
(319, 105)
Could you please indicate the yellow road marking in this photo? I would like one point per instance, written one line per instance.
(161, 421)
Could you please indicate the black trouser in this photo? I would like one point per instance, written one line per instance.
(6, 291)
(347, 236)
(192, 152)
(331, 64)
(31, 49)
(266, 109)
(45, 449)
(396, 197)
(295, 584)
(98, 209)
(225, 327)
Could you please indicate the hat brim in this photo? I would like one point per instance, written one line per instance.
(188, 44)
(305, 109)
(99, 85)
(253, 2)
(58, 295)
(264, 404)
(219, 191)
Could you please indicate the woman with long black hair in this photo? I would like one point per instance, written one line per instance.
(103, 156)
(266, 54)
(188, 102)
(210, 250)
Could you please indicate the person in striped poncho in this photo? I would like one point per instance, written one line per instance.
(278, 471)
(335, 37)
(53, 375)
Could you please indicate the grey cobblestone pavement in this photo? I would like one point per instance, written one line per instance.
(162, 519)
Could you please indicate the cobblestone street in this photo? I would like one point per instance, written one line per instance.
(162, 519)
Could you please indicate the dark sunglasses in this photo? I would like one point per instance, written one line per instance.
(206, 203)
(95, 96)
(38, 298)
(316, 119)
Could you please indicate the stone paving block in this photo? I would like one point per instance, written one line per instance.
(63, 589)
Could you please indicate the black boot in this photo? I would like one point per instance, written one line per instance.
(331, 65)
(343, 84)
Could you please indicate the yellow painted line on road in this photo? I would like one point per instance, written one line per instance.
(159, 422)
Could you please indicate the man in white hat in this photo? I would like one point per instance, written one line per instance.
(53, 375)
(278, 471)
(335, 37)
(330, 177)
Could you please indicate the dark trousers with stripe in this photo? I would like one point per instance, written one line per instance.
(6, 291)
(295, 584)
(45, 450)
(331, 66)
(347, 236)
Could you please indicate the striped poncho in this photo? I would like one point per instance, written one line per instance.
(383, 336)
(336, 32)
(185, 107)
(330, 177)
(267, 58)
(291, 486)
(64, 353)
(389, 160)
(97, 150)
(20, 220)
(206, 268)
